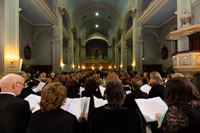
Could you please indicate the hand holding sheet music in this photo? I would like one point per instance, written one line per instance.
(149, 107)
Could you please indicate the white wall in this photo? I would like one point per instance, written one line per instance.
(42, 49)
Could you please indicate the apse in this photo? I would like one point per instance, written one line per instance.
(96, 47)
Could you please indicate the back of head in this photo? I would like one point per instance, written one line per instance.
(115, 92)
(124, 81)
(11, 82)
(144, 80)
(177, 75)
(72, 87)
(53, 96)
(155, 78)
(180, 90)
(90, 84)
(112, 76)
(136, 83)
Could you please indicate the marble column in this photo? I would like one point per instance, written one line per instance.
(57, 41)
(182, 6)
(123, 55)
(9, 36)
(116, 67)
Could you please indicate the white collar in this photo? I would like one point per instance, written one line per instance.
(8, 93)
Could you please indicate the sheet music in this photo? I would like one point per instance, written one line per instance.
(99, 102)
(102, 90)
(34, 101)
(39, 86)
(149, 107)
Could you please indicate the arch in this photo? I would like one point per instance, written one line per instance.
(94, 46)
(157, 37)
(126, 20)
(37, 33)
(150, 49)
(67, 18)
(41, 48)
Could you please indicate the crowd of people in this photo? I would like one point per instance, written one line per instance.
(120, 115)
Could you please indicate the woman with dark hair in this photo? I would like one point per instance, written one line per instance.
(112, 117)
(91, 89)
(183, 99)
(72, 88)
(51, 118)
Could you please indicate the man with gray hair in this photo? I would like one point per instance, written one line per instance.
(14, 112)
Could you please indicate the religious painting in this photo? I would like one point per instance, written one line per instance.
(27, 52)
(164, 52)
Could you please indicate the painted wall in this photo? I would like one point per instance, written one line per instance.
(163, 32)
(25, 37)
(42, 49)
(150, 49)
(196, 12)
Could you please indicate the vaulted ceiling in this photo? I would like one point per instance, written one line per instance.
(109, 18)
(110, 13)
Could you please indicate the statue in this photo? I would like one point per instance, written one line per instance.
(27, 52)
(96, 54)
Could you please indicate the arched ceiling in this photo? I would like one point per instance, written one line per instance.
(108, 20)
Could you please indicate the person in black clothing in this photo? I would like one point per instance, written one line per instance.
(112, 117)
(183, 114)
(14, 112)
(51, 118)
(157, 89)
(136, 93)
(91, 89)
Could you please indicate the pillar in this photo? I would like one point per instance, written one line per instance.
(182, 6)
(9, 36)
(57, 42)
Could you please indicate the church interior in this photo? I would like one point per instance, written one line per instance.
(120, 35)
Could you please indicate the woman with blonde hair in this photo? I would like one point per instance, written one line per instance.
(157, 89)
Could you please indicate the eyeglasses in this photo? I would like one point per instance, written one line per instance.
(24, 85)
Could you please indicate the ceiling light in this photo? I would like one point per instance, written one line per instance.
(96, 25)
(97, 14)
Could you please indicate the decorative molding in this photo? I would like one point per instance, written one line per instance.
(94, 7)
(31, 23)
(66, 33)
(185, 60)
(153, 8)
(44, 10)
(197, 60)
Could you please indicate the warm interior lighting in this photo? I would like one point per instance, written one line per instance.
(62, 64)
(115, 66)
(121, 66)
(96, 25)
(13, 59)
(83, 67)
(100, 68)
(109, 67)
(92, 67)
(79, 67)
(96, 14)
